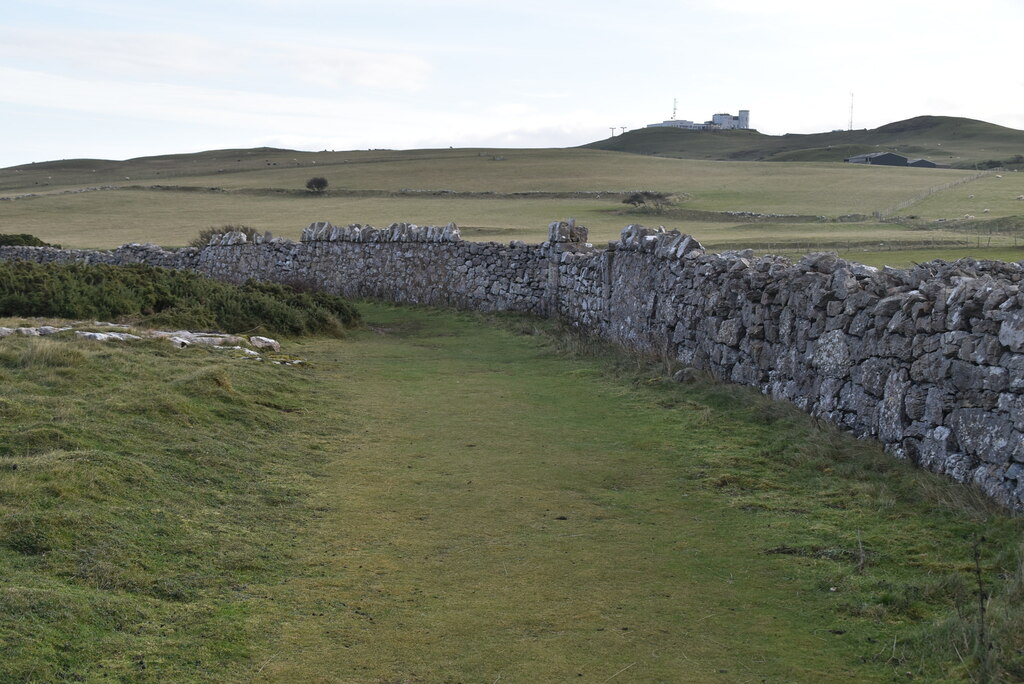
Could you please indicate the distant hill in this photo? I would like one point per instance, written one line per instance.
(93, 172)
(954, 141)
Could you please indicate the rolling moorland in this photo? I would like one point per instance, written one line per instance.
(951, 141)
(876, 215)
(439, 496)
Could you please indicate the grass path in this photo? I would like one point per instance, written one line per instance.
(491, 513)
(441, 499)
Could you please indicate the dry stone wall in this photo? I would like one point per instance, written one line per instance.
(930, 360)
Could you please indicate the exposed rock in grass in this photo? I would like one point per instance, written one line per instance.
(179, 338)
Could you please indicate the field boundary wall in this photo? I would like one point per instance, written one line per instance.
(929, 360)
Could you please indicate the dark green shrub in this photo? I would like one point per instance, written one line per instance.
(316, 184)
(22, 240)
(163, 297)
(648, 201)
(1014, 162)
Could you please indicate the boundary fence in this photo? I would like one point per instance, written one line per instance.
(886, 213)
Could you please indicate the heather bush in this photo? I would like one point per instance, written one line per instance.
(167, 298)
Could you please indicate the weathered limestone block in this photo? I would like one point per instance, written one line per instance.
(854, 400)
(938, 403)
(260, 342)
(819, 262)
(872, 374)
(983, 434)
(567, 231)
(966, 376)
(729, 332)
(1013, 406)
(892, 419)
(1011, 331)
(832, 354)
(915, 404)
(106, 336)
(451, 233)
(828, 395)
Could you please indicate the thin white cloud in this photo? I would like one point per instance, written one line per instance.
(118, 54)
(156, 101)
(360, 122)
(176, 58)
(333, 67)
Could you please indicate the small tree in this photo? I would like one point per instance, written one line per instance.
(649, 201)
(316, 184)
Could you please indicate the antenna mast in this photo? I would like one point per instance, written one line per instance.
(674, 103)
(851, 111)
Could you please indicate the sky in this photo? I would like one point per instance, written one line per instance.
(117, 79)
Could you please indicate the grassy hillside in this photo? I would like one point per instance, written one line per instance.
(502, 195)
(171, 515)
(958, 142)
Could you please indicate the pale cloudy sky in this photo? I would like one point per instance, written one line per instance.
(117, 79)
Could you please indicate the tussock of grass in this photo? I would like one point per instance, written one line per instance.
(211, 380)
(46, 354)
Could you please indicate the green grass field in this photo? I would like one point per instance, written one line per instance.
(502, 195)
(997, 192)
(445, 497)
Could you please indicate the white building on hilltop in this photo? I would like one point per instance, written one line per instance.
(718, 122)
(730, 121)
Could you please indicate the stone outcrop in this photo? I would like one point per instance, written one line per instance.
(178, 338)
(929, 360)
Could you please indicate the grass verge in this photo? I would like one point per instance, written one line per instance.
(142, 492)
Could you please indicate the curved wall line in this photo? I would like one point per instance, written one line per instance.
(930, 360)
